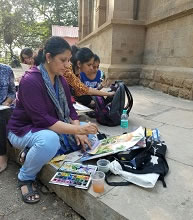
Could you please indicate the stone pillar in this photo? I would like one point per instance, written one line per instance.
(90, 18)
(85, 18)
(80, 20)
(101, 12)
(123, 9)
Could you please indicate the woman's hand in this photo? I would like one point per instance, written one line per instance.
(89, 128)
(111, 93)
(6, 103)
(83, 141)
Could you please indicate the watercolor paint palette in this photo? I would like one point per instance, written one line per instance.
(74, 174)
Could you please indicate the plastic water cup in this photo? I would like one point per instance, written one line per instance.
(103, 165)
(98, 181)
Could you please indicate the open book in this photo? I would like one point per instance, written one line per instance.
(81, 108)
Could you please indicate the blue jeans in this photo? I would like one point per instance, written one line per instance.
(43, 146)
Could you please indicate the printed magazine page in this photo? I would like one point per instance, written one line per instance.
(112, 145)
(109, 146)
(118, 143)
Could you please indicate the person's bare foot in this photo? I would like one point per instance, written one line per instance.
(3, 163)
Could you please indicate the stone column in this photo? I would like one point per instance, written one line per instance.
(80, 20)
(85, 18)
(123, 9)
(101, 12)
(90, 18)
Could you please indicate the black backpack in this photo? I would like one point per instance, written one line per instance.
(108, 111)
(150, 159)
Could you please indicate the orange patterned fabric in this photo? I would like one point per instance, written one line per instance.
(79, 87)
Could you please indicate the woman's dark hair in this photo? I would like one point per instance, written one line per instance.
(96, 58)
(54, 46)
(27, 51)
(80, 54)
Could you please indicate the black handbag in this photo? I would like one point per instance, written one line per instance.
(150, 159)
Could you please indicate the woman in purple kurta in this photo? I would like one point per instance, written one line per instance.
(35, 110)
(44, 120)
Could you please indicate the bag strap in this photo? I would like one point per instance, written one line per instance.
(115, 183)
(94, 98)
(129, 98)
(161, 178)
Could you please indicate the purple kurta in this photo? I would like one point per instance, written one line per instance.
(34, 109)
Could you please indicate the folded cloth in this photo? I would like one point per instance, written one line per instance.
(144, 180)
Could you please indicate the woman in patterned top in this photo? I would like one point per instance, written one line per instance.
(82, 61)
(73, 79)
(7, 95)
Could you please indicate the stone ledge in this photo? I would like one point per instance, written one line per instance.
(84, 202)
(108, 24)
(175, 81)
(184, 9)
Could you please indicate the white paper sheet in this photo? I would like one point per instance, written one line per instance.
(3, 107)
(80, 107)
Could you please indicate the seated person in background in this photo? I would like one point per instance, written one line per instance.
(82, 62)
(44, 119)
(26, 56)
(7, 95)
(92, 78)
(97, 71)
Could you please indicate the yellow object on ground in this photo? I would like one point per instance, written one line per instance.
(57, 161)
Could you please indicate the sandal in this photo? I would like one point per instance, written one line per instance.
(31, 191)
(21, 159)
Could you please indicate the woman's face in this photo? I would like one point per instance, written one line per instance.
(95, 66)
(58, 63)
(87, 67)
(27, 59)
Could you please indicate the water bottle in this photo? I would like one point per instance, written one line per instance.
(124, 122)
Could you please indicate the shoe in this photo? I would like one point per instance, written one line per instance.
(30, 196)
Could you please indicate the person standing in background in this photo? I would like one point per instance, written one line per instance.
(7, 95)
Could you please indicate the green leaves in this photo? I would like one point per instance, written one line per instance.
(27, 23)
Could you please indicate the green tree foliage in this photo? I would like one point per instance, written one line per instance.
(58, 12)
(27, 23)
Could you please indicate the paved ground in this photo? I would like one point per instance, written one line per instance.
(174, 118)
(12, 208)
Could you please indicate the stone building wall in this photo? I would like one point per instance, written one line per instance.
(158, 9)
(171, 80)
(169, 43)
(104, 49)
(168, 51)
(145, 42)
